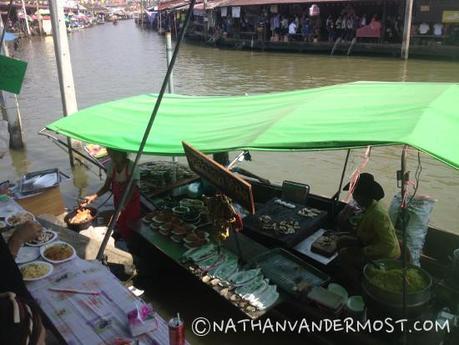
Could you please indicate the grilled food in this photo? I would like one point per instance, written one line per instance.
(81, 216)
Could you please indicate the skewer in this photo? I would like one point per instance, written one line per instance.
(76, 291)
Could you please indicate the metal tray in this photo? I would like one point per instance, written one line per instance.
(279, 213)
(30, 183)
(287, 270)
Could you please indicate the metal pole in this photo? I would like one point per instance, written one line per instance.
(343, 173)
(120, 206)
(403, 223)
(25, 18)
(64, 65)
(407, 29)
(9, 107)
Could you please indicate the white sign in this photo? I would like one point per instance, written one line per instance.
(224, 11)
(236, 12)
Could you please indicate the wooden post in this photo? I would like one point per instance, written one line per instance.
(170, 82)
(407, 29)
(39, 19)
(141, 13)
(25, 18)
(10, 108)
(64, 65)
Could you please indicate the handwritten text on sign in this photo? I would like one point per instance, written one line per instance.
(230, 184)
(12, 73)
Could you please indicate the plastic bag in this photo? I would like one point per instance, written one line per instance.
(418, 213)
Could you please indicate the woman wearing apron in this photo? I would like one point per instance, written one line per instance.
(116, 181)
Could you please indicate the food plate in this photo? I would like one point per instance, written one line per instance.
(225, 270)
(47, 236)
(20, 218)
(26, 254)
(36, 270)
(57, 252)
(251, 287)
(243, 277)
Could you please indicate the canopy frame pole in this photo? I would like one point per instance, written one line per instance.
(403, 224)
(58, 141)
(335, 198)
(120, 206)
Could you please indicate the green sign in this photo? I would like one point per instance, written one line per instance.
(12, 73)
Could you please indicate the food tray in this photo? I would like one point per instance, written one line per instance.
(287, 270)
(279, 213)
(37, 181)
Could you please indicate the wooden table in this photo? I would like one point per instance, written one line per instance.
(49, 201)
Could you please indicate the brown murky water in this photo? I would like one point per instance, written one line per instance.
(111, 62)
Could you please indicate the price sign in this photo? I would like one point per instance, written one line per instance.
(229, 183)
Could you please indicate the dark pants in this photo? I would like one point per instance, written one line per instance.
(351, 261)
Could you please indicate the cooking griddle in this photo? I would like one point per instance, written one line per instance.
(278, 213)
(288, 271)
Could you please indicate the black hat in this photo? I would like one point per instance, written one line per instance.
(366, 185)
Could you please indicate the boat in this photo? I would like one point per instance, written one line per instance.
(348, 116)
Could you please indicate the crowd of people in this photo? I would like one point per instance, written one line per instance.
(308, 27)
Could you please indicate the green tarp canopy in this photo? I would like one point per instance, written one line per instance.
(422, 115)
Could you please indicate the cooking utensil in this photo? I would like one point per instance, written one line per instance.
(80, 226)
(391, 302)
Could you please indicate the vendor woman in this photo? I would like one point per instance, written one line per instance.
(117, 180)
(374, 236)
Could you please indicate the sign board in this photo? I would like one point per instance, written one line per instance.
(12, 73)
(229, 183)
(450, 17)
(236, 12)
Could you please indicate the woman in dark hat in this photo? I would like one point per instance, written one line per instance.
(375, 236)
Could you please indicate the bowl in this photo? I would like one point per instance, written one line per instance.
(181, 210)
(339, 290)
(19, 218)
(30, 276)
(57, 252)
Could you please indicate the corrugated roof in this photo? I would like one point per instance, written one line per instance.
(168, 5)
(279, 2)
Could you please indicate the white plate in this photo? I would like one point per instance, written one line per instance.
(56, 243)
(26, 254)
(43, 243)
(12, 224)
(50, 269)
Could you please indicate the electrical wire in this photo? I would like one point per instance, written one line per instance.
(417, 177)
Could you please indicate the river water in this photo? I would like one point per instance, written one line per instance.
(111, 62)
